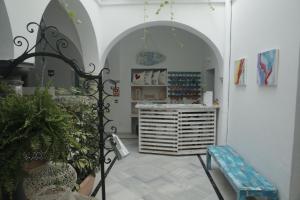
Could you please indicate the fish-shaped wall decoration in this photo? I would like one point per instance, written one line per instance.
(149, 58)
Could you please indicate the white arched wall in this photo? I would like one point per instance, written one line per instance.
(164, 23)
(21, 13)
(216, 51)
(116, 20)
(6, 47)
(109, 21)
(56, 15)
(84, 25)
(102, 24)
(113, 20)
(211, 51)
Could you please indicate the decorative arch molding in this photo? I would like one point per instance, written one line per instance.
(85, 33)
(178, 25)
(85, 30)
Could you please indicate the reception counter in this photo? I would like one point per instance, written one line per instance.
(176, 129)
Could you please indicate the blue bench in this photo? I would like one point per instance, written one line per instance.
(245, 180)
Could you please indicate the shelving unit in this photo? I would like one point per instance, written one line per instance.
(146, 93)
(184, 85)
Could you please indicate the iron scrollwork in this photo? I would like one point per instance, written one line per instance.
(98, 94)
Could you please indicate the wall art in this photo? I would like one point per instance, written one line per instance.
(267, 67)
(240, 72)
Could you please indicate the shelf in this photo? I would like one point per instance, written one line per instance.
(184, 95)
(184, 85)
(132, 85)
(134, 115)
(137, 101)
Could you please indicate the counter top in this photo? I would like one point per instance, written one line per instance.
(174, 106)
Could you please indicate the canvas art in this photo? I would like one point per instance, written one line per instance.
(267, 65)
(240, 72)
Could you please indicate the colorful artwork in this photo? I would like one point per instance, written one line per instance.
(267, 68)
(240, 72)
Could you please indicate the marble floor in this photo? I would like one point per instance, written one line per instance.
(156, 177)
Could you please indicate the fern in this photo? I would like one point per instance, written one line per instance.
(29, 124)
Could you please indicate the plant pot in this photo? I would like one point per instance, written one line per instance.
(28, 166)
(86, 186)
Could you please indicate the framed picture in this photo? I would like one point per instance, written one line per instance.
(267, 68)
(240, 72)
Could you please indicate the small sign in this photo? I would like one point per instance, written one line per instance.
(116, 91)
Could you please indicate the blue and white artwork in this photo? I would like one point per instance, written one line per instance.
(267, 65)
(149, 58)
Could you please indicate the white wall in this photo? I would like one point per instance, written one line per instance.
(86, 21)
(261, 119)
(191, 57)
(56, 15)
(20, 14)
(102, 25)
(23, 12)
(295, 175)
(6, 39)
(197, 16)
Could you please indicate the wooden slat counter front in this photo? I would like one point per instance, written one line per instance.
(176, 129)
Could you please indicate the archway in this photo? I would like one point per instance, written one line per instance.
(212, 60)
(164, 23)
(78, 32)
(48, 69)
(85, 30)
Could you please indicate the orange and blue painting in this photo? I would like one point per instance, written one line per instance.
(267, 68)
(240, 72)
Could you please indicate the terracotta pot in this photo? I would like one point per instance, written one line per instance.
(33, 164)
(86, 186)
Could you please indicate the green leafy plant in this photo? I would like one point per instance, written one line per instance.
(5, 89)
(31, 124)
(85, 159)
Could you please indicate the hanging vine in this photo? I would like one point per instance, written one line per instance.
(71, 13)
(145, 31)
(162, 4)
(212, 8)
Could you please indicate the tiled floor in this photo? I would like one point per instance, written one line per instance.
(156, 177)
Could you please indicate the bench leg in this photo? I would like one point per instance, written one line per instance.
(241, 196)
(274, 198)
(208, 161)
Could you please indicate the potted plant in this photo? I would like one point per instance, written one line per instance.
(33, 128)
(85, 159)
(5, 89)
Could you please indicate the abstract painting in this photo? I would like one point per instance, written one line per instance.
(267, 65)
(240, 72)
